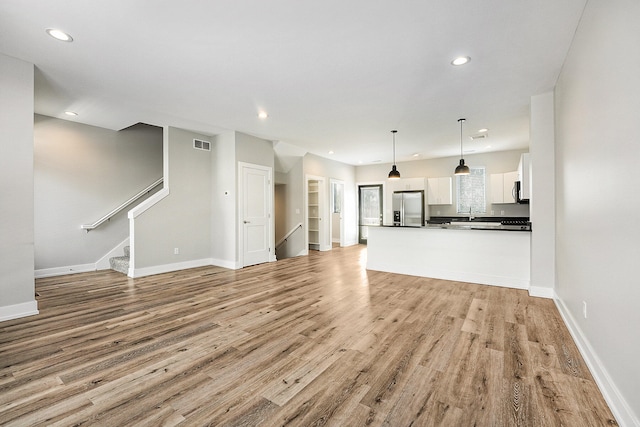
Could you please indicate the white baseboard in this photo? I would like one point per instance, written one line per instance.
(541, 292)
(621, 410)
(61, 271)
(168, 268)
(16, 311)
(232, 265)
(103, 263)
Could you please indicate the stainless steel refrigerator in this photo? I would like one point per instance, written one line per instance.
(408, 208)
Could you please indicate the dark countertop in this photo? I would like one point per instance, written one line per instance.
(477, 223)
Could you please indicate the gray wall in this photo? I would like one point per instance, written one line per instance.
(17, 289)
(182, 219)
(319, 166)
(293, 181)
(597, 152)
(495, 162)
(250, 149)
(82, 172)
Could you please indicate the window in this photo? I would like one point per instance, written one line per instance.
(471, 191)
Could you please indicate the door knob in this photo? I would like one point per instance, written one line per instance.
(247, 222)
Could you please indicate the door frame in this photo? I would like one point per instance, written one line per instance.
(382, 204)
(333, 181)
(323, 210)
(239, 216)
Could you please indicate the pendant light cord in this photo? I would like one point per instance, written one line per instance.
(461, 121)
(394, 146)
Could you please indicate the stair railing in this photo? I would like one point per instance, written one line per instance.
(286, 237)
(107, 217)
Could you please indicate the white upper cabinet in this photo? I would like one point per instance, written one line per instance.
(439, 191)
(405, 184)
(502, 187)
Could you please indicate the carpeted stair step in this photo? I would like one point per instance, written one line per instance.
(121, 263)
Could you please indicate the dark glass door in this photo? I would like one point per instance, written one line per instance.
(370, 213)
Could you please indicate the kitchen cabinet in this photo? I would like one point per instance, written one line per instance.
(502, 187)
(406, 184)
(439, 191)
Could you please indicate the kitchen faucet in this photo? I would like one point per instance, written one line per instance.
(471, 217)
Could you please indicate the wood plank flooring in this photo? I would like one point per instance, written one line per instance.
(307, 341)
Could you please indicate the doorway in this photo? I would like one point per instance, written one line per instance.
(370, 209)
(318, 237)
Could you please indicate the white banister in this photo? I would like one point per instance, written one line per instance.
(284, 239)
(108, 216)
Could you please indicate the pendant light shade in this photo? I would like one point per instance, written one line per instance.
(395, 173)
(462, 169)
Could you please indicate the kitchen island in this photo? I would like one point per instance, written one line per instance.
(489, 257)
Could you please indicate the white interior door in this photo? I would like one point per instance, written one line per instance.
(256, 214)
(337, 215)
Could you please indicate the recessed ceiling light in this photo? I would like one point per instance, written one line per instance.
(59, 35)
(483, 130)
(461, 60)
(416, 155)
(330, 151)
(71, 113)
(263, 114)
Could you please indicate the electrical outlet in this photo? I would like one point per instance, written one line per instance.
(176, 251)
(493, 212)
(584, 309)
(501, 212)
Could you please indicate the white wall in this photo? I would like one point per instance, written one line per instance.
(224, 206)
(17, 288)
(319, 166)
(81, 173)
(542, 208)
(597, 152)
(182, 219)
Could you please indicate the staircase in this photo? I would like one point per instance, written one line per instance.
(121, 263)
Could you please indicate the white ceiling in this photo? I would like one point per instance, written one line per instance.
(332, 74)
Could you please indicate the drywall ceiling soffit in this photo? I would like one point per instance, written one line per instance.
(286, 156)
(332, 75)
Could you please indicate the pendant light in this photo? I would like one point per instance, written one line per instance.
(394, 174)
(462, 169)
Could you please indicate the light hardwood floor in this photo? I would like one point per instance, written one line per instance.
(309, 341)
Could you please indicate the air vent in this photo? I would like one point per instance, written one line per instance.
(199, 144)
(481, 136)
